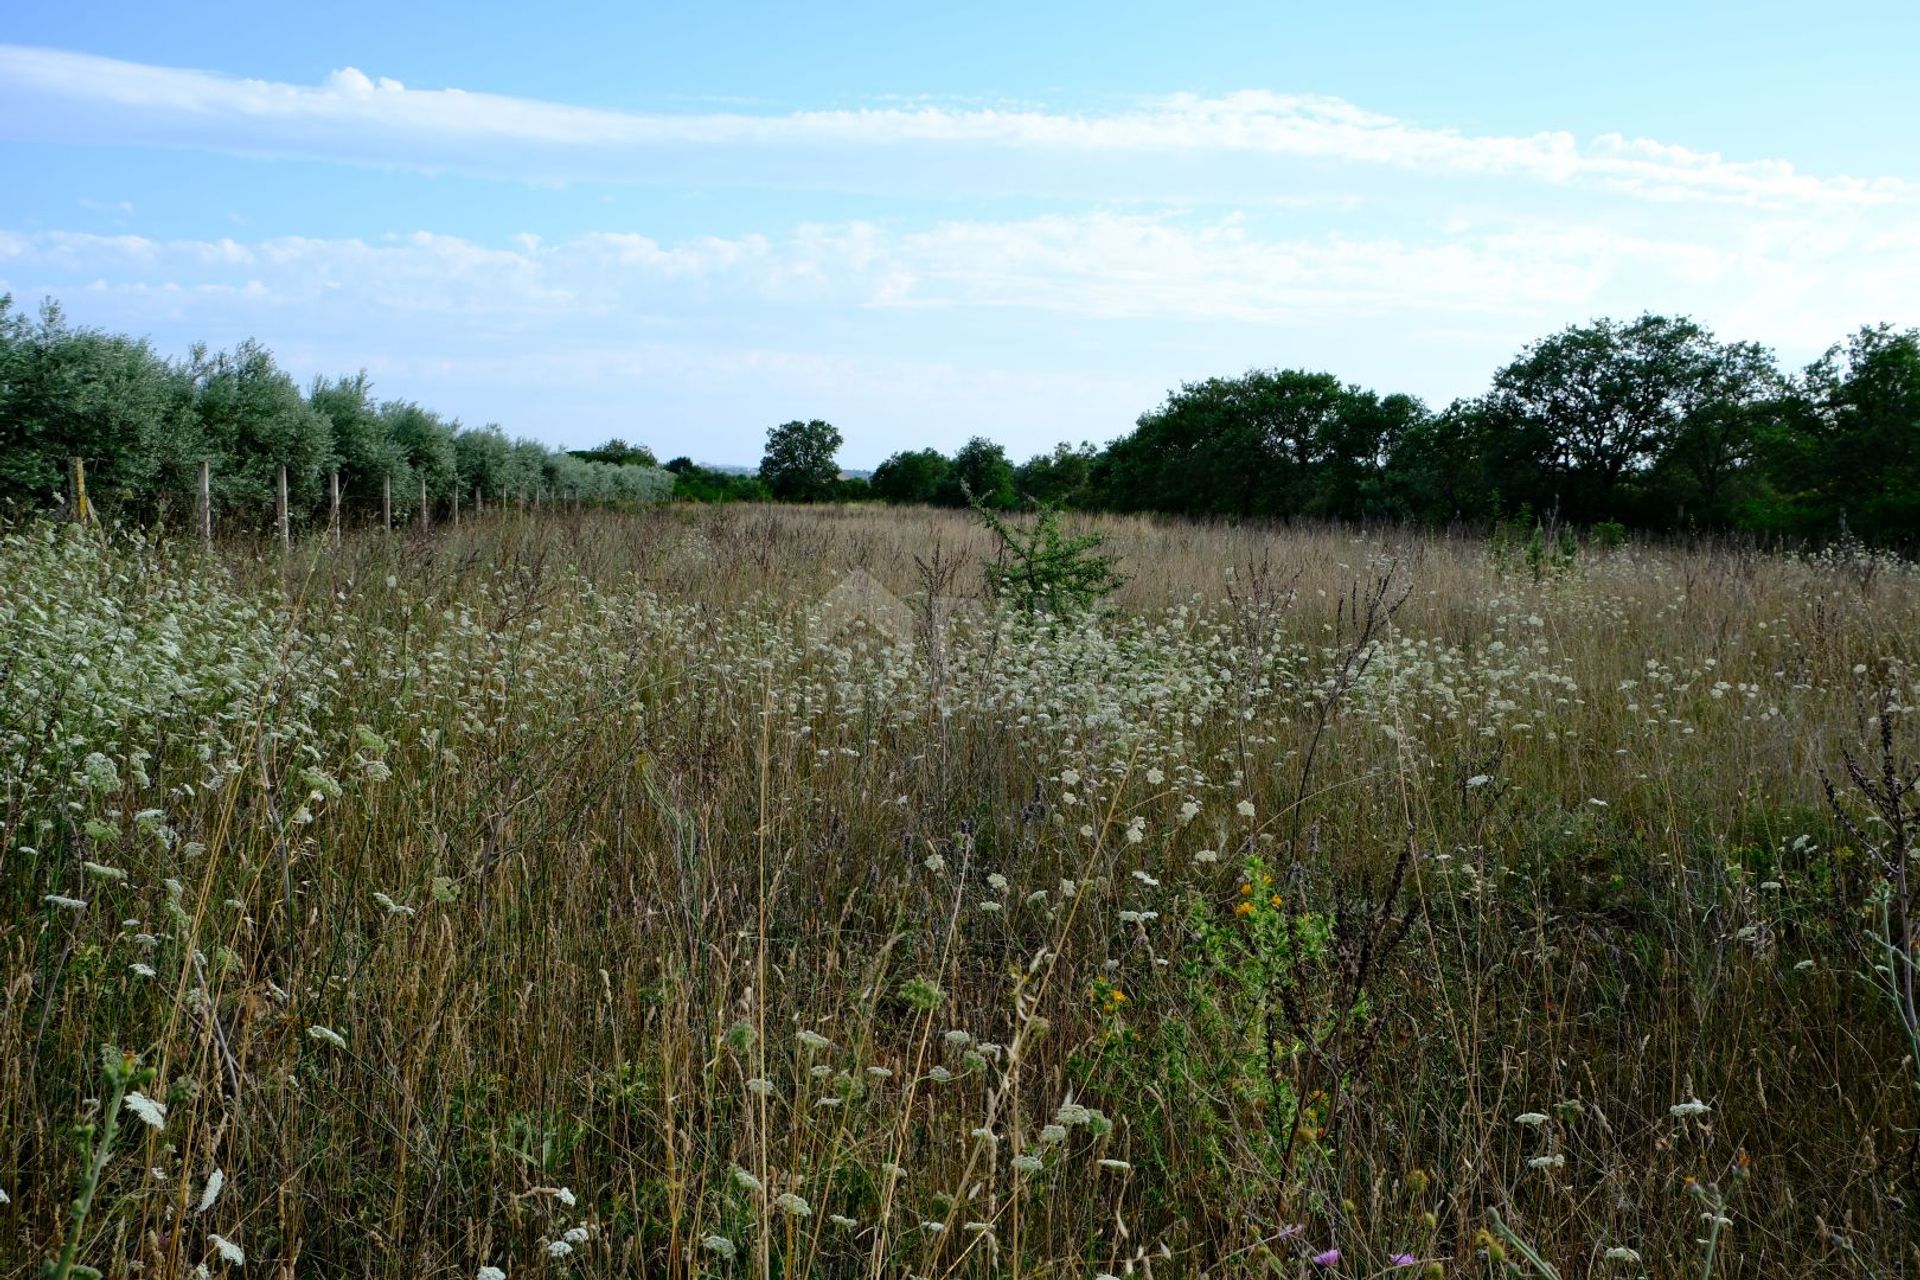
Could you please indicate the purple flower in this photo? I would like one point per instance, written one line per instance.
(1331, 1258)
(1404, 1260)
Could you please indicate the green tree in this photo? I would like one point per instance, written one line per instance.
(1233, 446)
(980, 475)
(364, 451)
(426, 441)
(799, 463)
(482, 456)
(1612, 398)
(67, 392)
(254, 421)
(912, 476)
(1848, 450)
(1063, 478)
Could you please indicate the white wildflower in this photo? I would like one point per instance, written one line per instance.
(1684, 1110)
(229, 1251)
(1028, 1164)
(744, 1180)
(65, 903)
(575, 1235)
(1244, 808)
(1620, 1253)
(1110, 1163)
(391, 907)
(793, 1205)
(141, 969)
(1547, 1162)
(559, 1249)
(154, 1113)
(812, 1041)
(215, 1180)
(489, 1273)
(842, 1221)
(719, 1246)
(1532, 1118)
(329, 1035)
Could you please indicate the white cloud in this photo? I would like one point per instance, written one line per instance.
(1103, 266)
(355, 117)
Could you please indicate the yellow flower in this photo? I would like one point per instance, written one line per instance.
(1244, 909)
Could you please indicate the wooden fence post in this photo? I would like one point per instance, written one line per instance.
(386, 503)
(425, 522)
(82, 511)
(282, 516)
(206, 501)
(333, 505)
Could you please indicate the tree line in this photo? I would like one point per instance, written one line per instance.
(144, 426)
(1653, 423)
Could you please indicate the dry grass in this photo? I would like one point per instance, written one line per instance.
(645, 814)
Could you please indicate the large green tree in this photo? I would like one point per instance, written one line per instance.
(799, 464)
(1611, 400)
(980, 474)
(912, 476)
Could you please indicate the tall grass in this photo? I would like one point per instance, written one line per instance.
(583, 896)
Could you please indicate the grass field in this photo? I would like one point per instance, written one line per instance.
(610, 895)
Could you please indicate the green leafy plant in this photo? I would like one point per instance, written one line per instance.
(1042, 570)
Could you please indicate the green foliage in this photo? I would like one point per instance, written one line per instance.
(1042, 571)
(980, 476)
(619, 453)
(912, 476)
(799, 464)
(695, 483)
(1523, 541)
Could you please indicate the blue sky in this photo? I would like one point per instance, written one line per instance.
(682, 224)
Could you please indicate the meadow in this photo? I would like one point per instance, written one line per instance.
(607, 894)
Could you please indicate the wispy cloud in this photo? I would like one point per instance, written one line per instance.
(1782, 281)
(355, 117)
